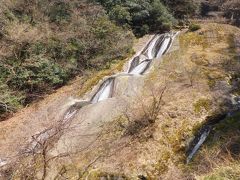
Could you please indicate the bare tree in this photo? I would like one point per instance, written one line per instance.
(148, 114)
(192, 73)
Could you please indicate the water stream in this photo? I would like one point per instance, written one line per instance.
(204, 132)
(157, 47)
(141, 67)
(105, 91)
(198, 141)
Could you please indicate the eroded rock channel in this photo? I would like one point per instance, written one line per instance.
(155, 48)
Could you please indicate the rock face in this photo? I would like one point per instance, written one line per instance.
(142, 130)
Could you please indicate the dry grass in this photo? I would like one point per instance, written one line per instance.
(226, 172)
(25, 32)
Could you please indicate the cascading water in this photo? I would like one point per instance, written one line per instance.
(134, 63)
(72, 110)
(203, 133)
(149, 51)
(200, 140)
(141, 68)
(157, 47)
(105, 91)
(164, 46)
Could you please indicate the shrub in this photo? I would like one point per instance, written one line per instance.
(202, 104)
(60, 11)
(120, 14)
(10, 100)
(182, 8)
(38, 76)
(194, 27)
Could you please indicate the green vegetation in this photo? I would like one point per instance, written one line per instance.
(222, 173)
(182, 9)
(44, 44)
(202, 104)
(194, 27)
(144, 16)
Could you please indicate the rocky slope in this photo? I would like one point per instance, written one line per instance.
(144, 130)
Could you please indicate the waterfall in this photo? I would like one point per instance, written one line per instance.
(158, 45)
(203, 133)
(149, 51)
(164, 46)
(105, 91)
(155, 48)
(200, 141)
(141, 68)
(2, 163)
(134, 63)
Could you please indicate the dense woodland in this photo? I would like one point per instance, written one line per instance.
(144, 16)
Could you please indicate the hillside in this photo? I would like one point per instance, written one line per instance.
(146, 128)
(119, 89)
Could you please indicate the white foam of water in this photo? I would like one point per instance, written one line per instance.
(2, 163)
(164, 46)
(70, 114)
(139, 53)
(202, 139)
(73, 101)
(142, 58)
(103, 93)
(150, 53)
(140, 68)
(173, 35)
